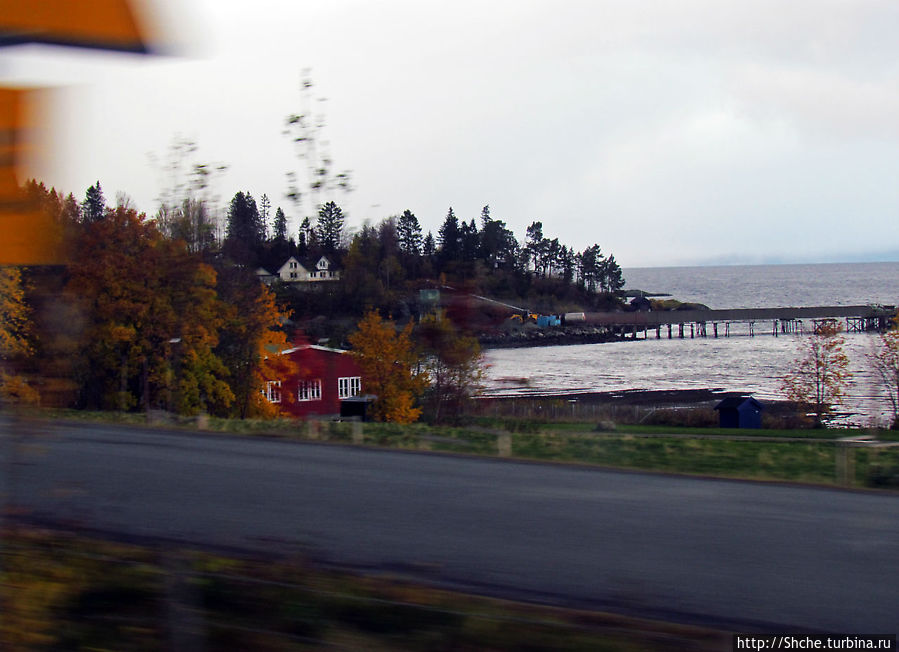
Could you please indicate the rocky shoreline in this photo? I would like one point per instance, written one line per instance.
(525, 337)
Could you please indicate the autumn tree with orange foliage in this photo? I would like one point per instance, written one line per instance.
(151, 320)
(15, 337)
(252, 340)
(388, 361)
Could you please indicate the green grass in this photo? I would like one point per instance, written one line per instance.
(792, 461)
(820, 433)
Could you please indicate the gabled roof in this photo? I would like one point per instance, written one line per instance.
(736, 402)
(295, 260)
(314, 347)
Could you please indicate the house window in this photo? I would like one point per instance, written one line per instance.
(293, 275)
(349, 386)
(310, 390)
(272, 391)
(293, 265)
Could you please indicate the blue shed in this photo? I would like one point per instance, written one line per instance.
(740, 412)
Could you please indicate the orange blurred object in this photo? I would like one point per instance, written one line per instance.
(28, 236)
(97, 24)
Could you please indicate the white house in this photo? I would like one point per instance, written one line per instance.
(293, 271)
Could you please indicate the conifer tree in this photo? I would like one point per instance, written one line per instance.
(93, 208)
(329, 227)
(245, 233)
(409, 233)
(448, 235)
(280, 226)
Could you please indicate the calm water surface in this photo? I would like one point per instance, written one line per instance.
(738, 363)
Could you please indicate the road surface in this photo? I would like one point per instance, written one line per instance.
(730, 553)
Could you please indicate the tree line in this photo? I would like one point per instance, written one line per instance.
(139, 320)
(153, 314)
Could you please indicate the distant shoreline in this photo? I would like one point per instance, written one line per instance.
(706, 398)
(690, 397)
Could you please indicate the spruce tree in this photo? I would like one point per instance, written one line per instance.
(329, 228)
(94, 206)
(448, 235)
(246, 232)
(280, 226)
(409, 233)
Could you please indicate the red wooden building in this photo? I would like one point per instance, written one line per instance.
(325, 377)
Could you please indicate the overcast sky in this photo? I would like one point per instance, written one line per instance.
(669, 132)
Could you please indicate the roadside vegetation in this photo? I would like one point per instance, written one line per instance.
(822, 457)
(61, 591)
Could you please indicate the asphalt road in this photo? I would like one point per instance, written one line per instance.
(721, 552)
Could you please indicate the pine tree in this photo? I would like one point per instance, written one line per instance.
(535, 244)
(429, 246)
(409, 233)
(448, 235)
(612, 277)
(93, 208)
(245, 233)
(329, 227)
(485, 217)
(265, 206)
(469, 241)
(306, 238)
(497, 243)
(280, 226)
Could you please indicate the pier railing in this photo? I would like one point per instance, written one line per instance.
(695, 323)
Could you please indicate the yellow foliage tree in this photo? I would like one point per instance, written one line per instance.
(15, 333)
(152, 319)
(388, 362)
(820, 372)
(251, 343)
(885, 360)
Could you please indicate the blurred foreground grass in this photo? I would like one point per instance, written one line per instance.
(62, 591)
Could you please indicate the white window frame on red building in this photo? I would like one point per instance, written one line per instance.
(272, 391)
(309, 390)
(349, 386)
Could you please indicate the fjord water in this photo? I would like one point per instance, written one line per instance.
(737, 363)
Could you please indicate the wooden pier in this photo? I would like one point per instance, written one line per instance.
(775, 321)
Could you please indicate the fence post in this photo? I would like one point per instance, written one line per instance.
(358, 433)
(845, 464)
(504, 444)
